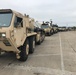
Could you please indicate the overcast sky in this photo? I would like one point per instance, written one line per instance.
(62, 12)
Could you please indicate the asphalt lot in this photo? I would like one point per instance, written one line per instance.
(55, 56)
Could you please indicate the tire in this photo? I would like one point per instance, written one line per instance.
(24, 51)
(50, 33)
(31, 44)
(43, 37)
(39, 42)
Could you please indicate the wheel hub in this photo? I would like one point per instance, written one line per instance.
(33, 44)
(27, 49)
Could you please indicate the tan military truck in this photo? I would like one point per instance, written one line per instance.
(40, 33)
(63, 28)
(17, 33)
(47, 28)
(55, 28)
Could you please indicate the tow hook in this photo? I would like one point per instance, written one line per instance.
(17, 56)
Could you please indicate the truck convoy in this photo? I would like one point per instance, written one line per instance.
(17, 34)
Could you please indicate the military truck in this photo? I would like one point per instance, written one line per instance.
(40, 33)
(63, 28)
(47, 28)
(17, 33)
(55, 28)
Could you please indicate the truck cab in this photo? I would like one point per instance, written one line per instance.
(16, 33)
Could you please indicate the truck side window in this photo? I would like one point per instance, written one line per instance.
(18, 22)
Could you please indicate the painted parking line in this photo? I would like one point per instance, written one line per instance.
(42, 55)
(61, 51)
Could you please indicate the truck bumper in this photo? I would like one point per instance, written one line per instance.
(7, 45)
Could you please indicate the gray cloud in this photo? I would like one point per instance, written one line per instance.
(62, 12)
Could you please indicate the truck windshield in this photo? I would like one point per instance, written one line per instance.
(37, 25)
(44, 26)
(5, 19)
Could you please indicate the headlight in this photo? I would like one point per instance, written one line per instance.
(3, 35)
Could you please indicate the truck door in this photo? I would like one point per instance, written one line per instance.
(18, 30)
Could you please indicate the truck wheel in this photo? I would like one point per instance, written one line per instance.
(43, 37)
(31, 44)
(39, 42)
(50, 33)
(24, 51)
